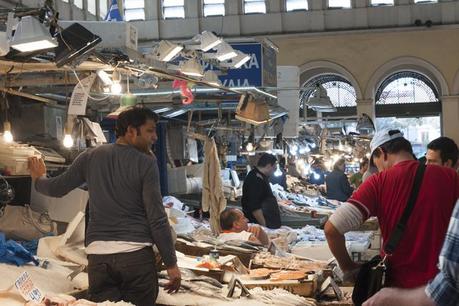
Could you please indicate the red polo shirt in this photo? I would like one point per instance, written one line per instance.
(385, 196)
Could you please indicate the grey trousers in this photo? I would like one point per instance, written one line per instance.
(130, 277)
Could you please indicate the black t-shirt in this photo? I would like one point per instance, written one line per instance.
(257, 194)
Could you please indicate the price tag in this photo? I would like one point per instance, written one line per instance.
(80, 96)
(27, 288)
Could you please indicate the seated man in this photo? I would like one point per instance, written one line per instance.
(235, 227)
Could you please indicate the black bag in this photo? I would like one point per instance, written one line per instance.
(372, 275)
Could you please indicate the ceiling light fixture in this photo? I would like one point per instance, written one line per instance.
(211, 78)
(209, 41)
(31, 35)
(192, 68)
(240, 59)
(167, 50)
(253, 111)
(320, 101)
(224, 52)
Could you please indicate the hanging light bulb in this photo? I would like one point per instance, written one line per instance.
(316, 175)
(293, 149)
(7, 136)
(68, 140)
(302, 150)
(278, 171)
(115, 88)
(116, 83)
(249, 147)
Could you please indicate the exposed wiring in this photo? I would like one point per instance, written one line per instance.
(87, 93)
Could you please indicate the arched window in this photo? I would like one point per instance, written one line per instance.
(406, 87)
(409, 101)
(341, 92)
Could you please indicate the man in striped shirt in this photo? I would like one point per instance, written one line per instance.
(443, 290)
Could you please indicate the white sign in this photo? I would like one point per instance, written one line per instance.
(27, 288)
(80, 96)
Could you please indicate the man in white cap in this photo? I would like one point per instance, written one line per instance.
(385, 195)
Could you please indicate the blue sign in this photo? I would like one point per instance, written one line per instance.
(249, 74)
(259, 71)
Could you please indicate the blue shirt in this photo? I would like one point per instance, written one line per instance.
(444, 288)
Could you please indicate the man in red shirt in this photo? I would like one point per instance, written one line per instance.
(385, 195)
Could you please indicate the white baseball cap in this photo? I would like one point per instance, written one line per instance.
(381, 137)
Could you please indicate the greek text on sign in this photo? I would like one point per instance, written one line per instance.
(27, 288)
(80, 96)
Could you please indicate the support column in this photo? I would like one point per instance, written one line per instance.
(288, 81)
(366, 106)
(450, 115)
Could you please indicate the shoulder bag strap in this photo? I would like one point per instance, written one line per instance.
(397, 234)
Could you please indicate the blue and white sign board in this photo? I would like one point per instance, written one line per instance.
(249, 74)
(259, 71)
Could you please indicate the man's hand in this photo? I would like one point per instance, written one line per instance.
(259, 233)
(37, 167)
(351, 274)
(381, 298)
(400, 297)
(175, 277)
(255, 230)
(258, 214)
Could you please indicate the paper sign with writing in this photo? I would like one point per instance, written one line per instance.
(80, 96)
(27, 288)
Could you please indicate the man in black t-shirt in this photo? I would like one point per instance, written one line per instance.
(258, 202)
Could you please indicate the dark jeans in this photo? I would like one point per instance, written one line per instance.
(124, 276)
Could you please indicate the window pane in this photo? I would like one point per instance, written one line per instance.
(339, 3)
(407, 90)
(296, 5)
(92, 7)
(214, 10)
(134, 14)
(255, 7)
(103, 4)
(214, 1)
(78, 3)
(382, 2)
(65, 1)
(174, 12)
(419, 131)
(425, 1)
(133, 4)
(167, 3)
